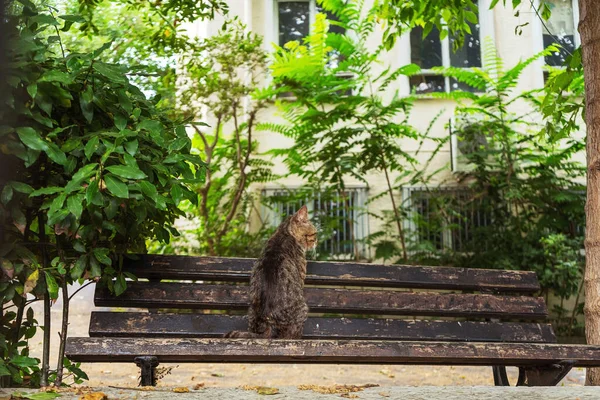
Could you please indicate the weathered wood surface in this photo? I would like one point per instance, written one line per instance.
(381, 302)
(340, 274)
(132, 324)
(329, 351)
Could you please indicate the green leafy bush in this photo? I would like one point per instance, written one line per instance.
(93, 169)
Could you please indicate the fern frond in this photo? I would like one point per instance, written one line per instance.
(509, 79)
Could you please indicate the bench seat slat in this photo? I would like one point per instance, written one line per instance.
(135, 324)
(381, 302)
(329, 351)
(339, 274)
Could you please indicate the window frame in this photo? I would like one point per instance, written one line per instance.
(538, 38)
(271, 217)
(408, 224)
(312, 16)
(486, 29)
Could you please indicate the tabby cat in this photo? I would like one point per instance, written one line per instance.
(278, 309)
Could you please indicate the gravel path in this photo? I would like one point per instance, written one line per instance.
(412, 393)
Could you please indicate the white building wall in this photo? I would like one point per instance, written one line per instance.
(500, 24)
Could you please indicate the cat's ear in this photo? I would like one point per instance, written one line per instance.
(302, 214)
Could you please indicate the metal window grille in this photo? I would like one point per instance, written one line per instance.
(444, 218)
(340, 217)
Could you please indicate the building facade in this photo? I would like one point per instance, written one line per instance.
(516, 35)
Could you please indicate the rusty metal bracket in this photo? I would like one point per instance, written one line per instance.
(547, 375)
(501, 379)
(544, 375)
(147, 366)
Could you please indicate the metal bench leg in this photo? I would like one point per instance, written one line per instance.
(547, 375)
(147, 366)
(501, 378)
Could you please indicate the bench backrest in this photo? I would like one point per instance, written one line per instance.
(375, 301)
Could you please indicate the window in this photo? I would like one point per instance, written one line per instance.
(432, 51)
(444, 218)
(295, 19)
(340, 218)
(561, 28)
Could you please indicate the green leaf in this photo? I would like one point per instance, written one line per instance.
(124, 100)
(46, 190)
(53, 75)
(52, 286)
(79, 246)
(57, 204)
(85, 102)
(126, 171)
(149, 190)
(56, 154)
(120, 285)
(31, 138)
(7, 194)
(79, 267)
(23, 361)
(493, 3)
(111, 209)
(111, 72)
(91, 192)
(132, 147)
(101, 255)
(155, 129)
(81, 175)
(176, 193)
(32, 90)
(95, 268)
(72, 18)
(85, 171)
(116, 187)
(178, 144)
(120, 121)
(28, 4)
(75, 205)
(21, 187)
(37, 396)
(91, 146)
(3, 370)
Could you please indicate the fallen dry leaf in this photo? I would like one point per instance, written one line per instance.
(264, 390)
(384, 394)
(217, 375)
(267, 390)
(337, 389)
(349, 396)
(94, 396)
(181, 390)
(198, 386)
(387, 373)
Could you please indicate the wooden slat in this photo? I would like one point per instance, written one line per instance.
(228, 297)
(340, 274)
(329, 351)
(132, 324)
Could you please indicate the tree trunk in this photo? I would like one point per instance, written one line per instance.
(590, 42)
(63, 334)
(47, 316)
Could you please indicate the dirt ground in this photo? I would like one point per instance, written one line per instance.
(277, 375)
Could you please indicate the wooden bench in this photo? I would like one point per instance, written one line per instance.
(360, 314)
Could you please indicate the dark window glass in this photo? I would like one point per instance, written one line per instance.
(294, 21)
(469, 55)
(427, 83)
(425, 52)
(456, 85)
(560, 29)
